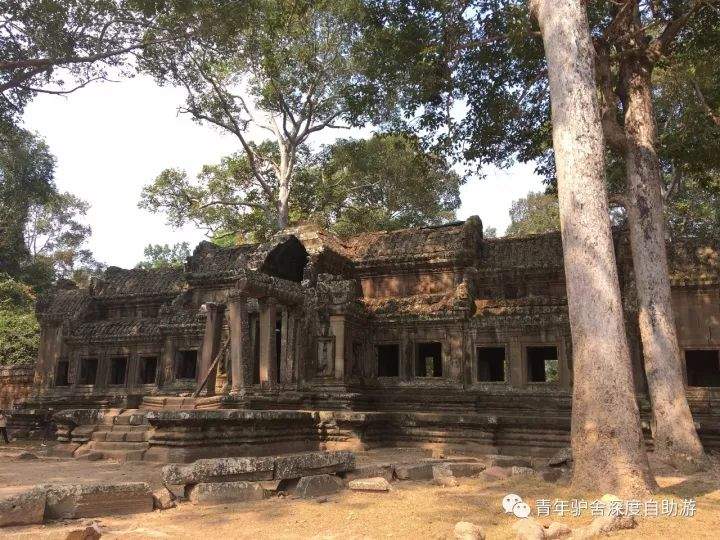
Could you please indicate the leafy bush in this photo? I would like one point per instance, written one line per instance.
(19, 329)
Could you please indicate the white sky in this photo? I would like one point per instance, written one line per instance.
(112, 139)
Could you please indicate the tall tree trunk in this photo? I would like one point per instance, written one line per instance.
(283, 209)
(675, 437)
(607, 440)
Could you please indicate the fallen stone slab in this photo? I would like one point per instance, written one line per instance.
(313, 463)
(26, 456)
(63, 450)
(385, 470)
(441, 471)
(22, 507)
(220, 470)
(370, 484)
(71, 501)
(163, 499)
(508, 461)
(495, 473)
(464, 530)
(318, 485)
(224, 492)
(520, 471)
(91, 455)
(91, 532)
(414, 471)
(465, 468)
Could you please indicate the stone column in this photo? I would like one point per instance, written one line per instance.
(211, 344)
(288, 343)
(516, 363)
(167, 370)
(267, 321)
(49, 352)
(337, 326)
(240, 360)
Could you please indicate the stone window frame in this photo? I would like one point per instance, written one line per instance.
(506, 362)
(158, 368)
(526, 368)
(376, 358)
(108, 375)
(176, 355)
(68, 382)
(415, 349)
(704, 347)
(98, 369)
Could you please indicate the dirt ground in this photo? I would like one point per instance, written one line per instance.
(410, 510)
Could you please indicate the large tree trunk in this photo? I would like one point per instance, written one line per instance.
(674, 434)
(607, 440)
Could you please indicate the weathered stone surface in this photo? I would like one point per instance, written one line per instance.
(519, 471)
(71, 501)
(528, 529)
(465, 468)
(550, 474)
(386, 471)
(220, 470)
(557, 530)
(89, 456)
(21, 507)
(446, 481)
(91, 532)
(63, 450)
(26, 456)
(441, 471)
(464, 530)
(562, 457)
(318, 485)
(163, 499)
(415, 471)
(224, 492)
(604, 525)
(508, 461)
(313, 463)
(370, 484)
(495, 473)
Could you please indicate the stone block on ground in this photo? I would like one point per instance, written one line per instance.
(520, 471)
(163, 499)
(224, 492)
(313, 463)
(385, 470)
(63, 449)
(220, 470)
(464, 530)
(465, 468)
(318, 485)
(414, 471)
(71, 501)
(91, 532)
(494, 473)
(369, 484)
(22, 506)
(528, 529)
(441, 471)
(508, 461)
(25, 456)
(446, 481)
(561, 457)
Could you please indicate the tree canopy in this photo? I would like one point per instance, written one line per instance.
(533, 214)
(165, 256)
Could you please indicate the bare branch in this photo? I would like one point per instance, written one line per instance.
(709, 112)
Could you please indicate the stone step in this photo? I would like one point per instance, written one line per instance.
(124, 455)
(102, 446)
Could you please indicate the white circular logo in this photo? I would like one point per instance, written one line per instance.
(521, 510)
(509, 501)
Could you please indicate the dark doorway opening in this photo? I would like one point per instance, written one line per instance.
(88, 370)
(703, 367)
(118, 371)
(287, 260)
(428, 362)
(62, 373)
(543, 364)
(148, 370)
(388, 360)
(491, 364)
(186, 364)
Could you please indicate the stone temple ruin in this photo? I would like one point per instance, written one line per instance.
(431, 336)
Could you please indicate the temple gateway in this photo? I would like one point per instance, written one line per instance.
(426, 336)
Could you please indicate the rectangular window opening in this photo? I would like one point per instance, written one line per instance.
(88, 370)
(703, 367)
(186, 365)
(62, 373)
(428, 362)
(118, 371)
(491, 364)
(388, 360)
(543, 365)
(148, 369)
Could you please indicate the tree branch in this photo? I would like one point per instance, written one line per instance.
(714, 118)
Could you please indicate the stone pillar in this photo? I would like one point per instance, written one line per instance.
(167, 371)
(288, 342)
(240, 360)
(267, 321)
(48, 353)
(337, 326)
(211, 344)
(514, 357)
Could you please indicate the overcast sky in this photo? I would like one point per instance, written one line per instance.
(111, 139)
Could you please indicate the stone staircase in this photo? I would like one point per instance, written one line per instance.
(122, 437)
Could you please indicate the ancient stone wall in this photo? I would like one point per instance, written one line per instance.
(15, 383)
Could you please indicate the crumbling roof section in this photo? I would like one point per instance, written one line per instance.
(209, 258)
(527, 311)
(454, 303)
(532, 251)
(64, 303)
(118, 282)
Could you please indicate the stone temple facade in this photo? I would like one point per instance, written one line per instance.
(430, 336)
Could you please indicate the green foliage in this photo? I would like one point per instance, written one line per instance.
(19, 329)
(165, 256)
(385, 182)
(534, 214)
